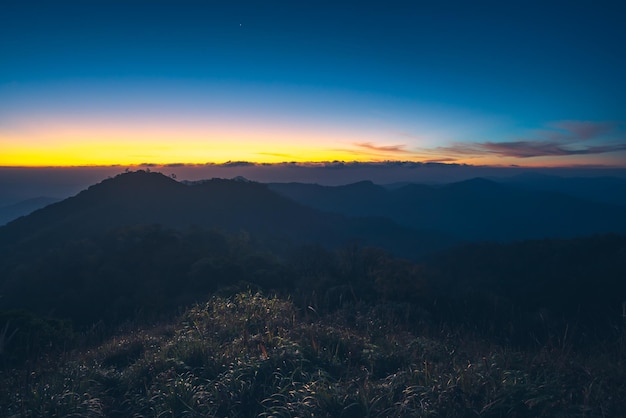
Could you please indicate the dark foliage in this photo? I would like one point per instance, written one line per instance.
(536, 288)
(141, 270)
(534, 292)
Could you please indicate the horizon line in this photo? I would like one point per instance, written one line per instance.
(318, 164)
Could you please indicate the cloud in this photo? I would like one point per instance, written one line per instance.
(400, 148)
(563, 138)
(528, 149)
(237, 164)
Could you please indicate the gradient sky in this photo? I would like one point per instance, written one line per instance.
(502, 83)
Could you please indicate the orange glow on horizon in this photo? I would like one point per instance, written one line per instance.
(75, 147)
(137, 153)
(96, 143)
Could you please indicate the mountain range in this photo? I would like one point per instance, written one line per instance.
(409, 219)
(478, 209)
(227, 205)
(610, 190)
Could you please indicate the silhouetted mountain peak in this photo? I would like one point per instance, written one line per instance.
(144, 180)
(361, 189)
(241, 179)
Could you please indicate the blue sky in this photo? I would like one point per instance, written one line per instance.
(481, 83)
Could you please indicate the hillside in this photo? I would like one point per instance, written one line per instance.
(611, 190)
(472, 210)
(251, 355)
(142, 198)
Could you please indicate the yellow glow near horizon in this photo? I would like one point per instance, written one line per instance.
(116, 153)
(98, 143)
(160, 150)
(65, 145)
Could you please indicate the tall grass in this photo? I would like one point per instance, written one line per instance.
(256, 356)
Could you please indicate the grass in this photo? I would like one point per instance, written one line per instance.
(251, 355)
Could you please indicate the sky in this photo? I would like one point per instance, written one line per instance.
(199, 83)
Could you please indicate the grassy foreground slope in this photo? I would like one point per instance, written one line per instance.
(251, 355)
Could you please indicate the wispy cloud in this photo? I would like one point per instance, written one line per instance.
(400, 148)
(528, 149)
(562, 138)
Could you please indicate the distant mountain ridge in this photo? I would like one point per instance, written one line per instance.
(611, 190)
(24, 207)
(228, 205)
(475, 210)
(410, 220)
